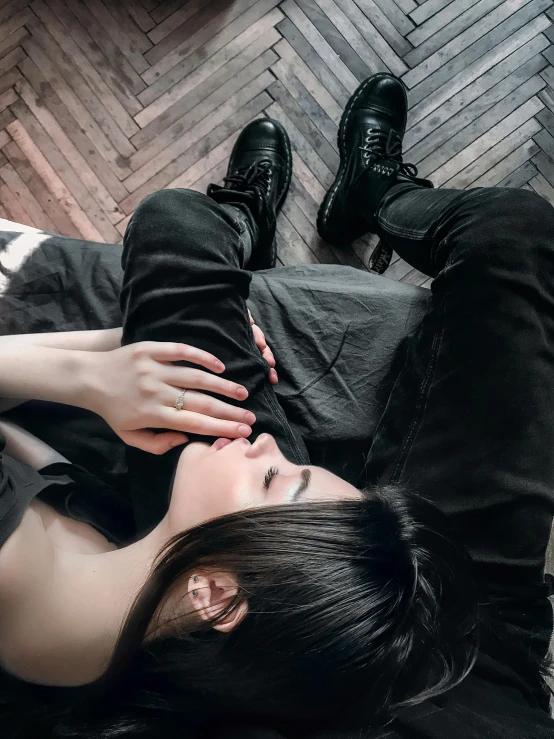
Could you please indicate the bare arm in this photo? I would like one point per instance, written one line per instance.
(22, 345)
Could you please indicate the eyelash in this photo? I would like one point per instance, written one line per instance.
(272, 471)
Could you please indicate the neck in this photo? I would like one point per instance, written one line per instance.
(98, 590)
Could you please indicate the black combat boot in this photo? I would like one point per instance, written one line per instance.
(259, 176)
(370, 145)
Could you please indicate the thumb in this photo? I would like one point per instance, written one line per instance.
(151, 442)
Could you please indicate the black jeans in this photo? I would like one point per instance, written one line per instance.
(469, 422)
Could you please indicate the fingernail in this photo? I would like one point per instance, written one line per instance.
(242, 392)
(244, 430)
(250, 418)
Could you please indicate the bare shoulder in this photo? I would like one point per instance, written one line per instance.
(26, 561)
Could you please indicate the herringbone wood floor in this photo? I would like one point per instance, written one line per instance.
(103, 102)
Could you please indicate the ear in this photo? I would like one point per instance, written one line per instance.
(213, 591)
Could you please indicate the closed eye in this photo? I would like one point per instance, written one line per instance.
(272, 471)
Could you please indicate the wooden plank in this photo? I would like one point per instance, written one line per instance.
(214, 176)
(307, 126)
(81, 163)
(14, 207)
(12, 41)
(519, 176)
(542, 187)
(202, 86)
(427, 9)
(14, 23)
(508, 165)
(309, 106)
(241, 12)
(110, 48)
(300, 71)
(7, 98)
(174, 21)
(137, 39)
(4, 138)
(442, 28)
(71, 50)
(314, 62)
(389, 47)
(58, 175)
(396, 16)
(485, 141)
(69, 137)
(140, 16)
(450, 117)
(302, 147)
(113, 29)
(207, 15)
(9, 79)
(86, 122)
(438, 97)
(6, 117)
(204, 72)
(199, 169)
(481, 124)
(545, 166)
(53, 182)
(217, 134)
(8, 10)
(119, 84)
(468, 176)
(11, 59)
(59, 62)
(291, 248)
(462, 46)
(13, 181)
(197, 53)
(297, 16)
(197, 122)
(42, 194)
(361, 61)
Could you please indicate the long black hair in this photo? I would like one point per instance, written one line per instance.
(368, 598)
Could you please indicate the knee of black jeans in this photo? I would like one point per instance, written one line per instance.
(519, 210)
(168, 201)
(502, 225)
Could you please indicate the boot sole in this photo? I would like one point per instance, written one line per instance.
(326, 233)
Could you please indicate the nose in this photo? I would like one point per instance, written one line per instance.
(264, 444)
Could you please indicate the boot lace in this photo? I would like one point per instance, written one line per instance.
(385, 149)
(255, 178)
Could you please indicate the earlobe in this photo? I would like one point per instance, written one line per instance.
(210, 593)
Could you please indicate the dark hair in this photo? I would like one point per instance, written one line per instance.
(346, 600)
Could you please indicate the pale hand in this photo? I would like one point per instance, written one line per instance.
(266, 352)
(136, 386)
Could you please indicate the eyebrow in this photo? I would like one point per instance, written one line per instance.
(306, 476)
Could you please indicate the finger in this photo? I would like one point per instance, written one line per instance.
(151, 442)
(250, 318)
(186, 377)
(267, 354)
(273, 377)
(197, 423)
(259, 337)
(208, 406)
(168, 351)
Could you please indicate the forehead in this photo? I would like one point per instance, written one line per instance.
(324, 485)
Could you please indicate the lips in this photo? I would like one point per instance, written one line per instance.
(220, 443)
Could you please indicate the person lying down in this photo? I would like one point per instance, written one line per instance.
(258, 586)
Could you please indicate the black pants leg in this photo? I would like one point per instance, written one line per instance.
(184, 281)
(470, 420)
